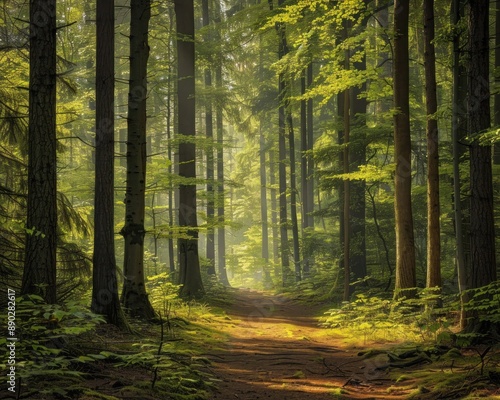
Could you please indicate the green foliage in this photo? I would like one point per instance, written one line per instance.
(483, 310)
(163, 293)
(43, 331)
(379, 318)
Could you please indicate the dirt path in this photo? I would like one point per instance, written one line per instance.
(277, 351)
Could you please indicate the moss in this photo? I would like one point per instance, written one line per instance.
(93, 395)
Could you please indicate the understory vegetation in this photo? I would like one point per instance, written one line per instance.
(66, 352)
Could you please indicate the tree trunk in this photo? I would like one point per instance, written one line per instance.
(307, 170)
(347, 197)
(274, 208)
(496, 104)
(189, 262)
(405, 246)
(433, 207)
(303, 172)
(221, 230)
(263, 212)
(171, 191)
(357, 151)
(310, 159)
(105, 298)
(282, 155)
(209, 156)
(293, 195)
(482, 228)
(458, 123)
(340, 186)
(39, 275)
(134, 297)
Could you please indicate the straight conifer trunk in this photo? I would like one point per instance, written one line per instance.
(263, 212)
(357, 156)
(105, 300)
(209, 156)
(221, 229)
(310, 159)
(482, 229)
(189, 262)
(496, 104)
(405, 246)
(347, 196)
(134, 296)
(171, 191)
(39, 276)
(433, 206)
(274, 208)
(457, 126)
(306, 168)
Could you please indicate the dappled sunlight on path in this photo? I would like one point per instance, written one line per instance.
(277, 351)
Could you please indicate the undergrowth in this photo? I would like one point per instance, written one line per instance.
(370, 318)
(67, 352)
(420, 343)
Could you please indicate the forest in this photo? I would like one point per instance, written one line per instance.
(218, 199)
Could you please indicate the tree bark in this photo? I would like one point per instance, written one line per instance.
(274, 208)
(405, 246)
(347, 196)
(433, 206)
(170, 150)
(307, 170)
(458, 124)
(105, 298)
(282, 157)
(357, 153)
(310, 159)
(482, 229)
(293, 195)
(189, 262)
(263, 212)
(209, 133)
(303, 171)
(221, 230)
(39, 275)
(496, 100)
(134, 296)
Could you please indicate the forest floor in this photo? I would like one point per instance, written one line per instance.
(253, 345)
(276, 350)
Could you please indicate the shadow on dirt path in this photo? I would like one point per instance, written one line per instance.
(277, 351)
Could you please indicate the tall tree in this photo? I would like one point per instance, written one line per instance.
(458, 123)
(310, 146)
(209, 132)
(304, 164)
(189, 262)
(170, 112)
(221, 230)
(134, 296)
(263, 210)
(282, 155)
(405, 246)
(346, 215)
(496, 101)
(105, 299)
(433, 206)
(482, 228)
(293, 193)
(357, 150)
(39, 275)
